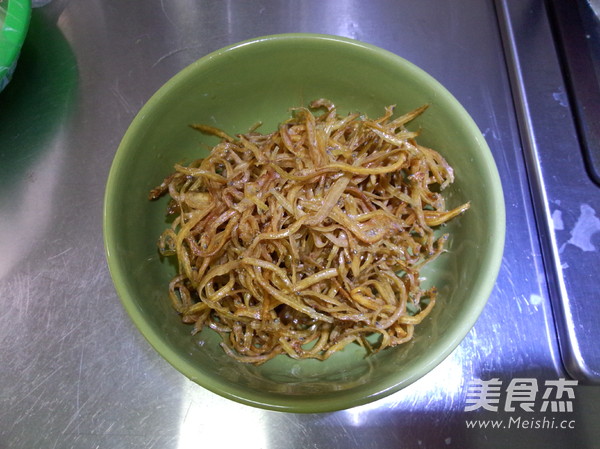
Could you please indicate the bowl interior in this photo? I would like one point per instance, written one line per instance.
(259, 81)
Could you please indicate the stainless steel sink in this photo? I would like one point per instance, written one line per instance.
(554, 73)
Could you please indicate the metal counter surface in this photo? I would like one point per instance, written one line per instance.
(76, 373)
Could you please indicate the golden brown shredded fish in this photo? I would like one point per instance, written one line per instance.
(304, 240)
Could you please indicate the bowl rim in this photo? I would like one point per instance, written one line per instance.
(298, 404)
(13, 32)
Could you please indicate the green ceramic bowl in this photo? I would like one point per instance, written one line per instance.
(259, 80)
(14, 22)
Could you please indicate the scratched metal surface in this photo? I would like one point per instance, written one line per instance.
(75, 373)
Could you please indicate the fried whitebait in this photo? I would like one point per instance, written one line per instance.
(304, 240)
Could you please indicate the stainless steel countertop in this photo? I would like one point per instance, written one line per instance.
(76, 373)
